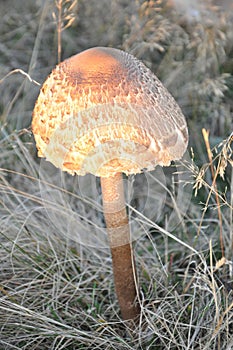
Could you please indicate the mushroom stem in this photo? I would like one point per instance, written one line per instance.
(119, 237)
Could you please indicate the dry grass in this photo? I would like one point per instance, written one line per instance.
(56, 287)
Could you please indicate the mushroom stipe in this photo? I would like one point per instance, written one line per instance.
(104, 112)
(119, 237)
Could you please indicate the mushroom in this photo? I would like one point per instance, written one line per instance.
(104, 112)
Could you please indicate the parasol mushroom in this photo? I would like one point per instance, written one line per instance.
(104, 112)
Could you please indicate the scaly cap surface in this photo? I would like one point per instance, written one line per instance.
(102, 112)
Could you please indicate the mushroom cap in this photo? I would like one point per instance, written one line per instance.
(103, 111)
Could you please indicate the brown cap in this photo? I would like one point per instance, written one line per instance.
(102, 112)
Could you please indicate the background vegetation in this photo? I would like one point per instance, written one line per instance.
(56, 289)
